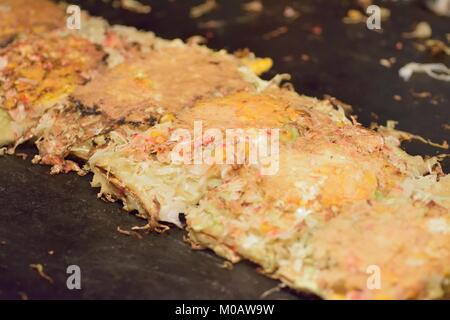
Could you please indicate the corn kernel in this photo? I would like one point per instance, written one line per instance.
(167, 118)
(259, 65)
(157, 133)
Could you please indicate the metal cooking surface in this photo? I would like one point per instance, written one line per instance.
(40, 213)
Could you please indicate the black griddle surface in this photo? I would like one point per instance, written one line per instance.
(40, 213)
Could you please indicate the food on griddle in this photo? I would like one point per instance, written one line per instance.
(40, 71)
(24, 17)
(332, 172)
(134, 96)
(403, 235)
(131, 167)
(343, 201)
(346, 200)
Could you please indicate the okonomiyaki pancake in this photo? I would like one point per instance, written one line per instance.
(22, 18)
(28, 17)
(39, 71)
(134, 96)
(325, 161)
(139, 170)
(328, 251)
(333, 173)
(404, 235)
(96, 46)
(343, 203)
